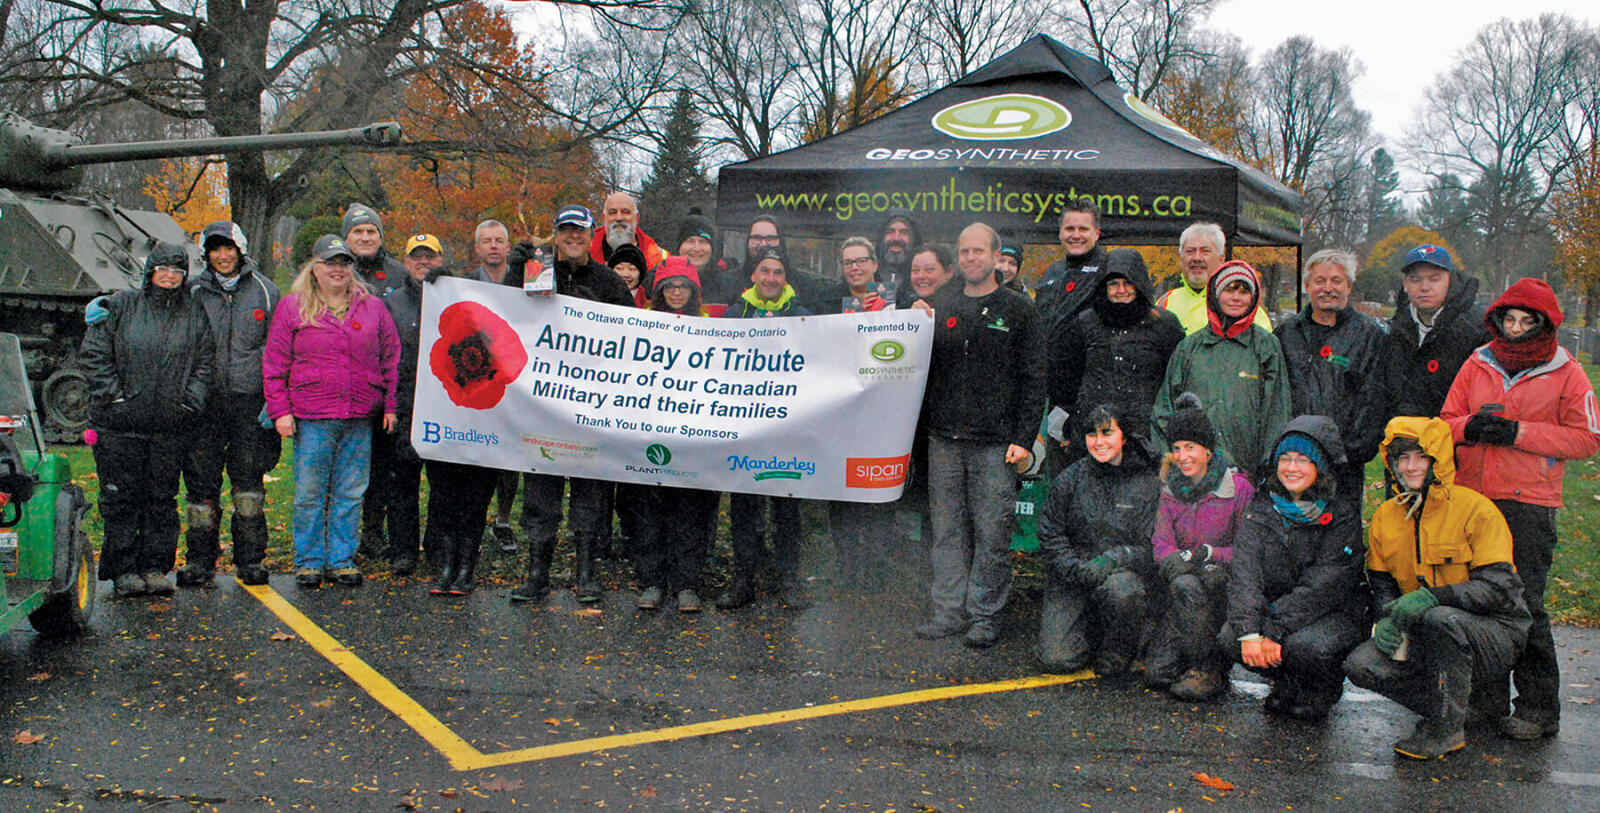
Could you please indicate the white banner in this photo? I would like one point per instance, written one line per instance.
(816, 407)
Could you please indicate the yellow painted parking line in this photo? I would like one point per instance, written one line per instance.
(464, 757)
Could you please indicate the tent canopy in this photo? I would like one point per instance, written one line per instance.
(1007, 145)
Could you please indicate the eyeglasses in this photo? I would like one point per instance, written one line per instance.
(1294, 459)
(765, 239)
(172, 269)
(677, 286)
(344, 262)
(857, 262)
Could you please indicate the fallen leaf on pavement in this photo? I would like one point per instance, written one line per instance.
(1212, 781)
(38, 676)
(323, 704)
(280, 636)
(649, 792)
(588, 611)
(551, 721)
(26, 737)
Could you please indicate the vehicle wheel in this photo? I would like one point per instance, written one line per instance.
(65, 402)
(66, 611)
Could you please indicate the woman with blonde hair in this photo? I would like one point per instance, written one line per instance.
(330, 364)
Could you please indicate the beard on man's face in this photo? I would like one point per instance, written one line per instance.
(619, 233)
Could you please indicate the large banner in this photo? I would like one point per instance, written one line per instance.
(816, 407)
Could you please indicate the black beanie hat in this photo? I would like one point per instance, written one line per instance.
(694, 223)
(1189, 422)
(628, 253)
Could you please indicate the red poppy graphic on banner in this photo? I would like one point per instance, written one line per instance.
(477, 356)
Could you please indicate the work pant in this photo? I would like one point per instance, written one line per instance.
(673, 550)
(1313, 656)
(1537, 672)
(458, 502)
(375, 519)
(229, 437)
(138, 476)
(588, 508)
(746, 527)
(972, 492)
(403, 491)
(1441, 639)
(1186, 636)
(331, 460)
(1079, 621)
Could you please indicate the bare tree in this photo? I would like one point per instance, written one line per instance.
(744, 67)
(1302, 112)
(961, 35)
(1141, 41)
(852, 55)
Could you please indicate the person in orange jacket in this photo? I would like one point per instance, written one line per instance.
(1518, 410)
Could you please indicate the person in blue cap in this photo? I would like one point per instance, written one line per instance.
(1436, 326)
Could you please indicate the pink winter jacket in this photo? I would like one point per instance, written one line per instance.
(332, 368)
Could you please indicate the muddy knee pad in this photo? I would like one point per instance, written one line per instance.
(249, 503)
(202, 516)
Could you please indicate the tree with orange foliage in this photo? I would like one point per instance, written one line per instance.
(193, 191)
(1576, 218)
(1380, 276)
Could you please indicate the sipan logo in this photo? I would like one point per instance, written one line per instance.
(888, 351)
(875, 472)
(658, 454)
(1008, 116)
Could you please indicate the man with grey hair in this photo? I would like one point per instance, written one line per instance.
(491, 243)
(1202, 248)
(1332, 352)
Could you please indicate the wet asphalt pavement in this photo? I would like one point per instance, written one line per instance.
(208, 700)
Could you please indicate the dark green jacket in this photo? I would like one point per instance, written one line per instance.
(1243, 386)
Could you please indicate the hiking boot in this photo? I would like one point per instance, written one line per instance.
(534, 589)
(195, 575)
(940, 627)
(128, 585)
(505, 537)
(404, 565)
(1198, 685)
(1111, 664)
(349, 576)
(1521, 728)
(688, 601)
(253, 575)
(740, 593)
(650, 599)
(981, 634)
(158, 584)
(1430, 741)
(308, 577)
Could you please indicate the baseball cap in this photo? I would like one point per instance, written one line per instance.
(575, 216)
(1430, 254)
(329, 246)
(423, 241)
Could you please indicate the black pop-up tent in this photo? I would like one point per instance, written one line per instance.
(1007, 145)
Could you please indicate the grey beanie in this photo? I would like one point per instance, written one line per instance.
(360, 214)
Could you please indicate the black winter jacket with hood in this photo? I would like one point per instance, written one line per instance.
(1331, 370)
(1068, 283)
(239, 321)
(149, 361)
(381, 272)
(1096, 508)
(1417, 376)
(1286, 576)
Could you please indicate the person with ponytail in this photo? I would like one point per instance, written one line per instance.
(1518, 410)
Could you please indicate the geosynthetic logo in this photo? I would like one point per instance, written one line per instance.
(888, 351)
(658, 454)
(1007, 116)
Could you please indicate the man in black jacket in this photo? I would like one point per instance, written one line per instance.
(1437, 324)
(238, 301)
(1067, 285)
(576, 274)
(1334, 353)
(362, 231)
(981, 410)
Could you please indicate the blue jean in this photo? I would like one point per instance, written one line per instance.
(332, 459)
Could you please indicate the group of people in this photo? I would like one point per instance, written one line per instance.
(1206, 471)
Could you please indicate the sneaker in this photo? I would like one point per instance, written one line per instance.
(1521, 728)
(252, 574)
(688, 601)
(349, 576)
(650, 599)
(505, 537)
(982, 634)
(939, 627)
(308, 577)
(158, 584)
(1426, 743)
(1197, 685)
(128, 585)
(195, 576)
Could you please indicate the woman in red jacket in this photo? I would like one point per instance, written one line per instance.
(1519, 408)
(330, 364)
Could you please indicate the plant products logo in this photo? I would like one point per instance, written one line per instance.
(875, 472)
(658, 454)
(1007, 116)
(888, 351)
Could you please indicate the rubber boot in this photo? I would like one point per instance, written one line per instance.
(588, 588)
(537, 586)
(449, 571)
(202, 545)
(249, 536)
(466, 568)
(1445, 729)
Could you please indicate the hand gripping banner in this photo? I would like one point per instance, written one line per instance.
(815, 407)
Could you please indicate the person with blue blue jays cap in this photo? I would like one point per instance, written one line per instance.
(1436, 326)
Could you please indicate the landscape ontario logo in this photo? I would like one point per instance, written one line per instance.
(875, 472)
(1004, 117)
(888, 351)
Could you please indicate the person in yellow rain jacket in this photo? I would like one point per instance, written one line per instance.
(1446, 597)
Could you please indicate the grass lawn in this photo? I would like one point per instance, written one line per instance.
(1573, 596)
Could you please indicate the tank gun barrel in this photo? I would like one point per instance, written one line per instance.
(382, 134)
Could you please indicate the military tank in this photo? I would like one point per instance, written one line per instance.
(62, 244)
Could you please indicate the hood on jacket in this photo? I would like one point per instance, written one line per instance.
(1128, 265)
(1433, 435)
(1320, 430)
(1531, 295)
(904, 216)
(1232, 271)
(171, 254)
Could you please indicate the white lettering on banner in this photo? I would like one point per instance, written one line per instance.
(816, 407)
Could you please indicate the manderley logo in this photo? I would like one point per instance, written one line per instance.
(436, 433)
(1004, 117)
(772, 468)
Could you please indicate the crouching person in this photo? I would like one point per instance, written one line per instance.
(1095, 533)
(1296, 601)
(1448, 601)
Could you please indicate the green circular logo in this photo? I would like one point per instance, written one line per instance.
(658, 454)
(1005, 117)
(1143, 108)
(888, 350)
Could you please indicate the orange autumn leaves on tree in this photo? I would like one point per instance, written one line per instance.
(193, 191)
(1577, 223)
(465, 102)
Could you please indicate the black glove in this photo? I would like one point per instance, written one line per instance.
(1175, 565)
(1094, 572)
(517, 260)
(1491, 429)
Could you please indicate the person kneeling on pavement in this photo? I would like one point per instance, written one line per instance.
(1448, 601)
(1095, 534)
(1296, 601)
(1202, 505)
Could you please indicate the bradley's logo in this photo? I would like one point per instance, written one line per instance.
(1004, 117)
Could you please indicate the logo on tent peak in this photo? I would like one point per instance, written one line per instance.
(1004, 117)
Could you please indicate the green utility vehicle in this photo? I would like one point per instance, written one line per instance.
(46, 563)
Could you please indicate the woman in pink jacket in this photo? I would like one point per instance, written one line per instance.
(1519, 409)
(330, 364)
